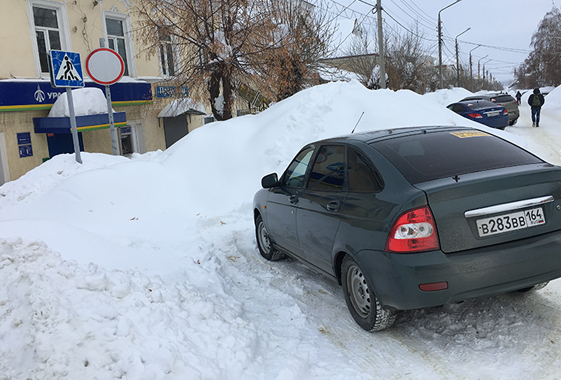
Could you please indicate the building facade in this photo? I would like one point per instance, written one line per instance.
(30, 30)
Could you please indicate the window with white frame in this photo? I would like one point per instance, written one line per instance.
(48, 29)
(119, 40)
(167, 54)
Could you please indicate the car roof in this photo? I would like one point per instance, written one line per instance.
(487, 96)
(372, 136)
(478, 103)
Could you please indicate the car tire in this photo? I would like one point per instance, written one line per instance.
(539, 286)
(361, 300)
(512, 122)
(264, 243)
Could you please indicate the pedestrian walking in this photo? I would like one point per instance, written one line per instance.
(518, 97)
(536, 101)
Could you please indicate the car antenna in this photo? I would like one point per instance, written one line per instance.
(357, 122)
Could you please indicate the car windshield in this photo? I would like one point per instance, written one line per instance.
(425, 157)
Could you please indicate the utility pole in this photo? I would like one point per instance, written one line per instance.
(458, 56)
(479, 66)
(440, 41)
(381, 53)
(471, 66)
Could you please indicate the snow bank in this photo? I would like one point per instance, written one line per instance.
(87, 101)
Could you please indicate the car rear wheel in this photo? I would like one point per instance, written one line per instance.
(361, 300)
(264, 243)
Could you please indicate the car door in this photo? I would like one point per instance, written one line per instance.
(318, 205)
(281, 204)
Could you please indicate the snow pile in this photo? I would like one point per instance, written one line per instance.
(446, 97)
(146, 268)
(87, 101)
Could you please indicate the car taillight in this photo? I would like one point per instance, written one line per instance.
(413, 231)
(506, 112)
(476, 115)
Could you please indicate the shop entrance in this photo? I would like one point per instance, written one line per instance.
(60, 143)
(175, 128)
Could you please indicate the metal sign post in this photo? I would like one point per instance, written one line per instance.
(105, 66)
(111, 122)
(66, 71)
(72, 115)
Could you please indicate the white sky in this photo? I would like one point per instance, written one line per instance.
(507, 24)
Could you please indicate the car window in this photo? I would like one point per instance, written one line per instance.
(458, 108)
(425, 157)
(362, 176)
(328, 172)
(294, 175)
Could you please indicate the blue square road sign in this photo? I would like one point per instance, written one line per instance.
(66, 69)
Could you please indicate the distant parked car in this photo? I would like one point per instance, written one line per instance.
(482, 111)
(415, 217)
(501, 99)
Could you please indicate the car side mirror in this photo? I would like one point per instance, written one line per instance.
(271, 180)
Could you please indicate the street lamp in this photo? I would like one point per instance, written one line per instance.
(440, 41)
(478, 66)
(458, 56)
(470, 64)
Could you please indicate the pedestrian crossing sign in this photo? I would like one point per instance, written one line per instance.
(66, 69)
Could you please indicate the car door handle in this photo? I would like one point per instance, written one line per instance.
(293, 199)
(333, 206)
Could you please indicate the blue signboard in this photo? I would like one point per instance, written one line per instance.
(25, 151)
(24, 138)
(66, 69)
(40, 95)
(24, 144)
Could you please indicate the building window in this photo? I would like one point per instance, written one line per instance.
(166, 53)
(117, 40)
(47, 34)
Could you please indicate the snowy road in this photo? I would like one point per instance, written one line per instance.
(512, 336)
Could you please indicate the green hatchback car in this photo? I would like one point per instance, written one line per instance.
(415, 217)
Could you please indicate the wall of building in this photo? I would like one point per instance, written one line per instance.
(12, 123)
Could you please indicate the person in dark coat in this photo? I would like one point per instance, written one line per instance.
(536, 101)
(518, 97)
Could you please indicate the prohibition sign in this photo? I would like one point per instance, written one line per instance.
(105, 66)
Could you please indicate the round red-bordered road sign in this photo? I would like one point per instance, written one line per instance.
(105, 66)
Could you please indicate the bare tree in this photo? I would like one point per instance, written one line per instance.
(409, 67)
(543, 65)
(268, 44)
(300, 38)
(213, 41)
(361, 59)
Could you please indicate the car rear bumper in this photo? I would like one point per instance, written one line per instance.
(469, 274)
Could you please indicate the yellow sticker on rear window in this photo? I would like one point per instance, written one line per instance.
(466, 134)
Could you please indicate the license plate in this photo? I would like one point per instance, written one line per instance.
(492, 114)
(510, 222)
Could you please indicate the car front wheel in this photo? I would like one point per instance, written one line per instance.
(361, 300)
(264, 243)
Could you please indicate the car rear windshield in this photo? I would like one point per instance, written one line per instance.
(479, 104)
(425, 157)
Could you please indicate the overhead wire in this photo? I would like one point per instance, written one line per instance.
(399, 13)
